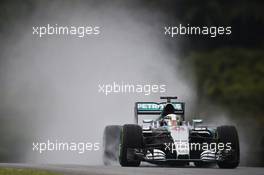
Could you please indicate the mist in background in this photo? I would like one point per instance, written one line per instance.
(49, 86)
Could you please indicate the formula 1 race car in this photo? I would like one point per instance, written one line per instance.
(170, 140)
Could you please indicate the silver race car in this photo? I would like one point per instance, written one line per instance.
(163, 137)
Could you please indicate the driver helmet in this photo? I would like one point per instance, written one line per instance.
(173, 120)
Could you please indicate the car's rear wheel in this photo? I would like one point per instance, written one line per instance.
(228, 135)
(111, 141)
(131, 141)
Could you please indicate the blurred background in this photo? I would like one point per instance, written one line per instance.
(48, 86)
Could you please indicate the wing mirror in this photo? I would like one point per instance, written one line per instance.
(197, 121)
(147, 120)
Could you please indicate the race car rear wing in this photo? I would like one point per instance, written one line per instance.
(153, 108)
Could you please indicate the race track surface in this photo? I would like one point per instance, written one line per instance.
(145, 170)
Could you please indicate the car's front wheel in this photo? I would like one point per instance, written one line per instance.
(228, 136)
(131, 141)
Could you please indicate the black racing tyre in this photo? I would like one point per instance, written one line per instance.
(228, 134)
(131, 140)
(111, 141)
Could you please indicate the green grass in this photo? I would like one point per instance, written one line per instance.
(19, 171)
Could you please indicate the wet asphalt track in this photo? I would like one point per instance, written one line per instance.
(145, 170)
